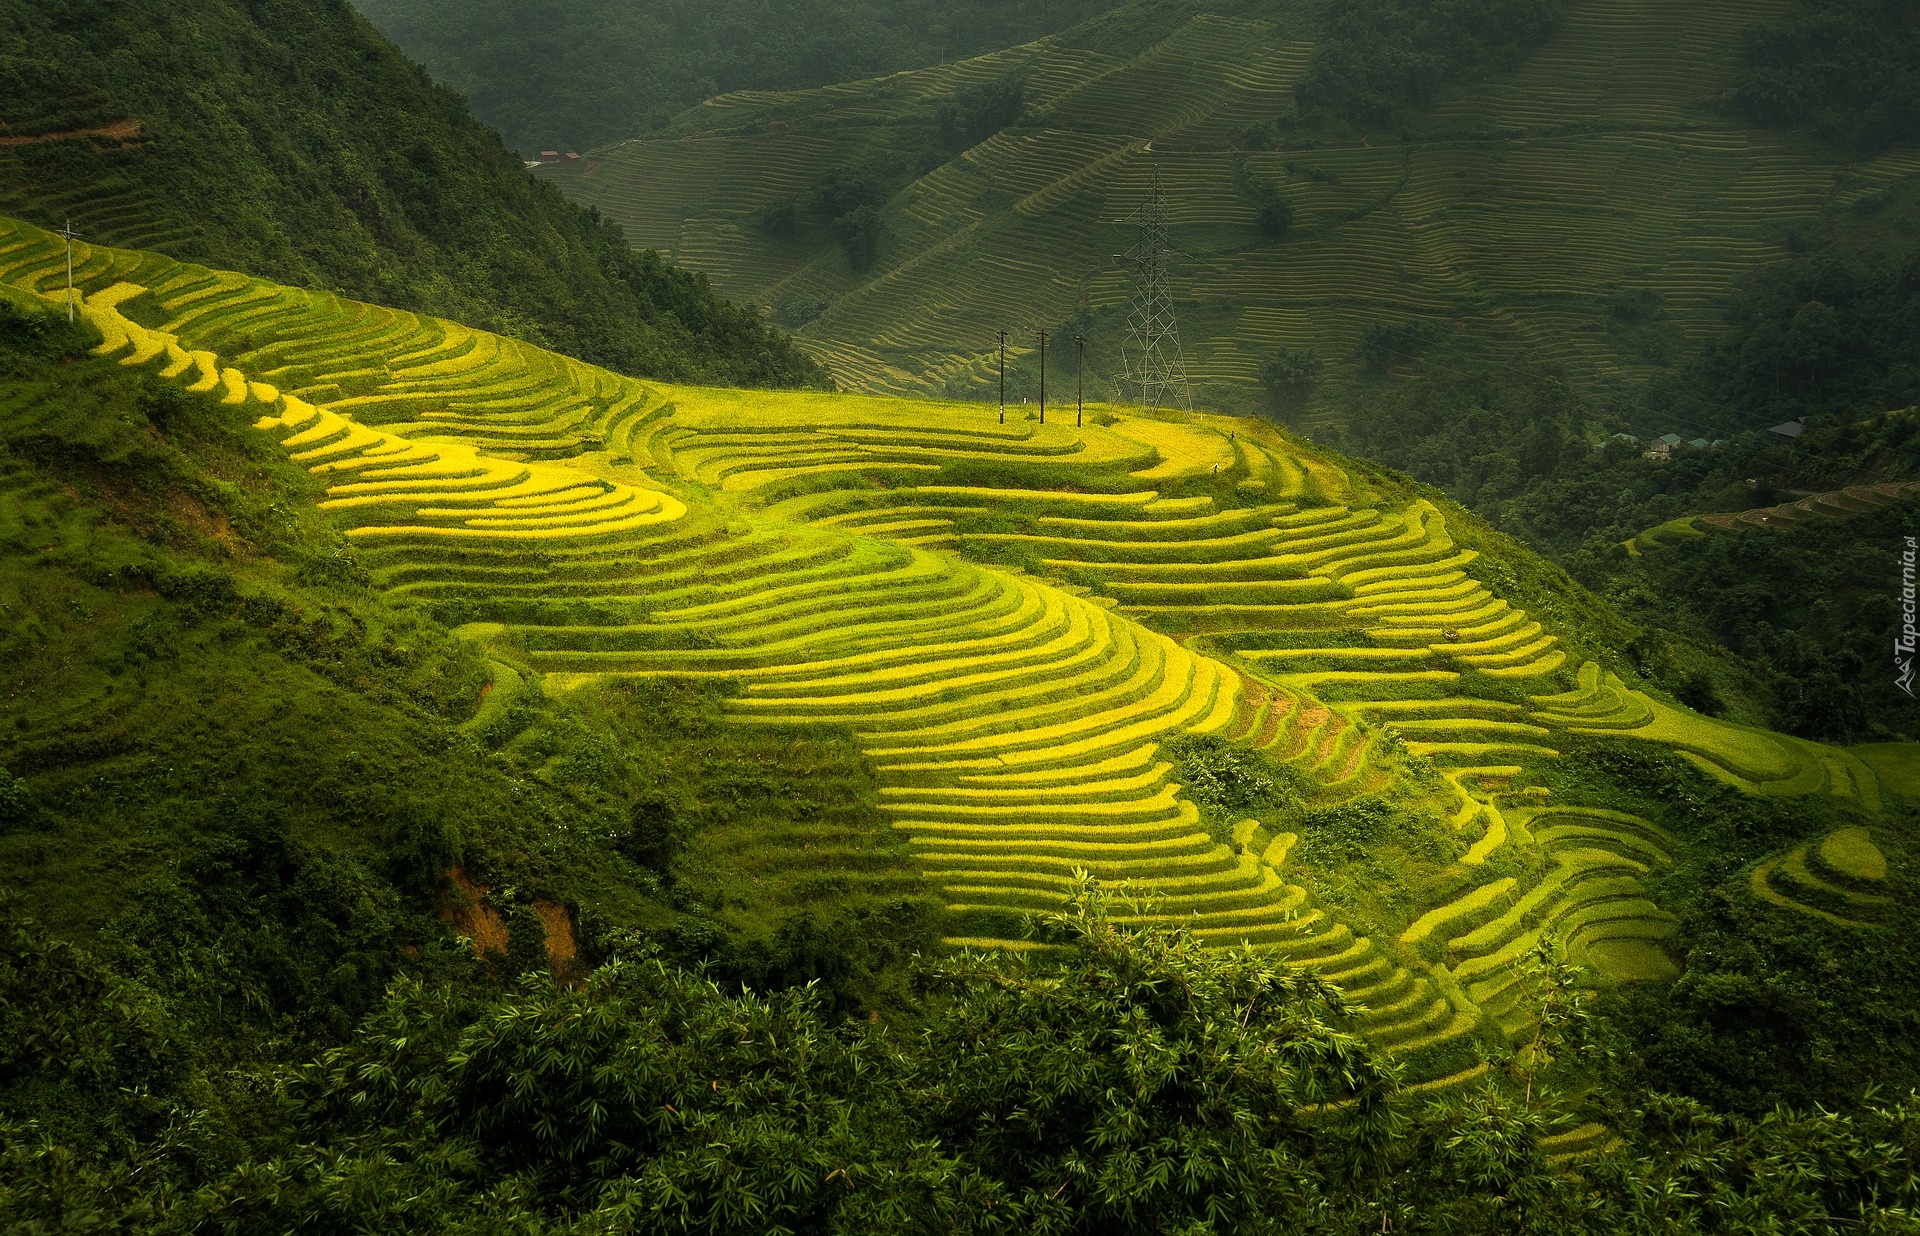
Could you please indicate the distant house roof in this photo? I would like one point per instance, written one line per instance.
(1671, 439)
(1792, 429)
(573, 157)
(549, 156)
(1701, 443)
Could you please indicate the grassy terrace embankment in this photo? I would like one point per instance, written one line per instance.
(1039, 634)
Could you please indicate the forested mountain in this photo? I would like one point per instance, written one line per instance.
(289, 137)
(578, 73)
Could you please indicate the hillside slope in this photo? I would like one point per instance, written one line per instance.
(1589, 206)
(291, 139)
(586, 73)
(1189, 653)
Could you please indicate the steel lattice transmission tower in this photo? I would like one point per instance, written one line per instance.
(1152, 368)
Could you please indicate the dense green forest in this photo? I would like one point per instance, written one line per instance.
(576, 75)
(1847, 69)
(289, 138)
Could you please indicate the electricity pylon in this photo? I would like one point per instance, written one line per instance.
(1152, 369)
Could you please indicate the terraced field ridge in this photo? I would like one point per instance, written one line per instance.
(1834, 504)
(1518, 209)
(1016, 621)
(1841, 879)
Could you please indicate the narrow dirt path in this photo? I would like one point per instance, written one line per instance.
(119, 129)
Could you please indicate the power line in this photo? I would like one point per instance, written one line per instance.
(1043, 377)
(70, 236)
(1003, 377)
(1080, 383)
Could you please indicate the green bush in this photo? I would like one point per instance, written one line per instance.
(978, 112)
(1291, 370)
(780, 220)
(1386, 344)
(656, 833)
(1380, 58)
(13, 798)
(526, 941)
(1219, 774)
(1346, 832)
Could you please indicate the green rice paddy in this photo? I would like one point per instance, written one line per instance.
(1840, 879)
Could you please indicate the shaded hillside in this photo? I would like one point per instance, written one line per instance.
(1826, 338)
(1805, 589)
(1829, 337)
(1593, 206)
(578, 74)
(289, 137)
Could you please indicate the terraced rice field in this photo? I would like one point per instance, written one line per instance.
(1840, 879)
(1757, 761)
(1834, 504)
(112, 203)
(1011, 619)
(1516, 209)
(1896, 765)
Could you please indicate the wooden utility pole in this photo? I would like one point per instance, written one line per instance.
(1080, 383)
(1003, 377)
(1043, 377)
(70, 236)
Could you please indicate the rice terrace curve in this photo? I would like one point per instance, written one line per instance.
(1018, 622)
